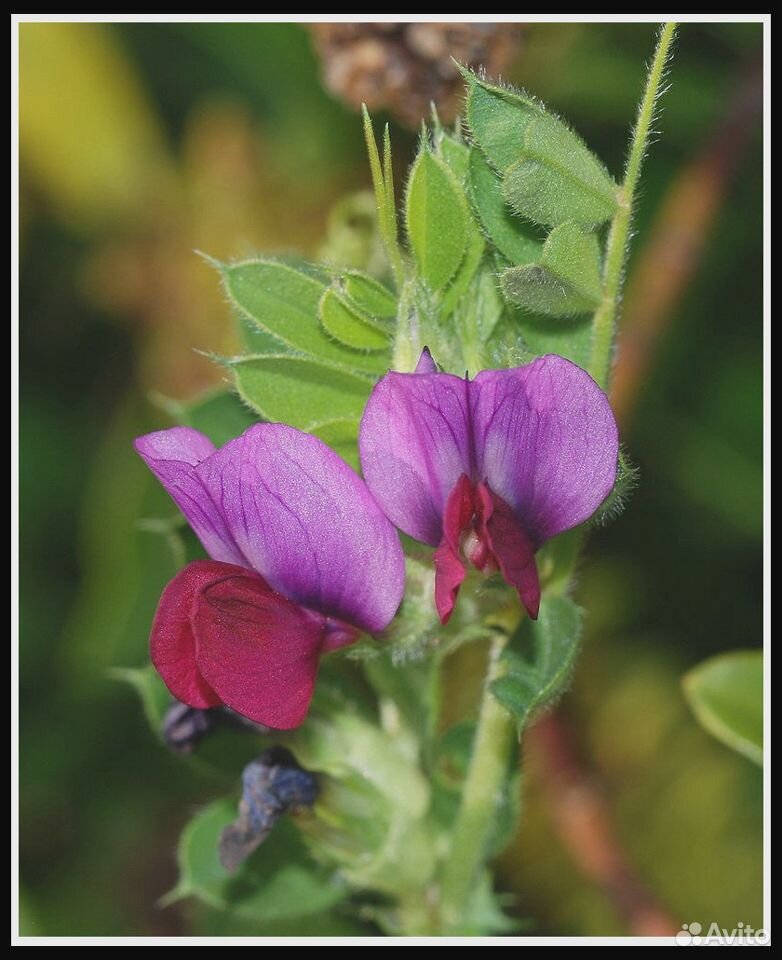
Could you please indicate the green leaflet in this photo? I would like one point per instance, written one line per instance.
(464, 278)
(549, 174)
(557, 178)
(437, 217)
(570, 337)
(342, 437)
(343, 321)
(497, 118)
(507, 231)
(299, 391)
(283, 302)
(369, 295)
(477, 312)
(456, 155)
(256, 340)
(279, 881)
(532, 682)
(220, 415)
(726, 695)
(565, 281)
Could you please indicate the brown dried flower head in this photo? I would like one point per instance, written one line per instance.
(404, 67)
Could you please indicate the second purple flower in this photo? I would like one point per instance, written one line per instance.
(487, 470)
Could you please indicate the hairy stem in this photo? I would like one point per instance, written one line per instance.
(665, 266)
(604, 320)
(494, 740)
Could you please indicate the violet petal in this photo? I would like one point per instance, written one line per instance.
(173, 455)
(308, 524)
(425, 363)
(415, 444)
(546, 441)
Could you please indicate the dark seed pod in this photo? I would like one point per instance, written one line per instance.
(272, 784)
(184, 727)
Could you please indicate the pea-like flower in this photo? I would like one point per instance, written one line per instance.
(302, 561)
(487, 470)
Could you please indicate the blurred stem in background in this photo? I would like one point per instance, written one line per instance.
(671, 254)
(662, 270)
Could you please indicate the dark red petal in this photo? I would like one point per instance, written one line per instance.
(257, 650)
(449, 568)
(449, 574)
(172, 644)
(458, 512)
(513, 550)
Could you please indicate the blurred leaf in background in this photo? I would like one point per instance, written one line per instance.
(726, 695)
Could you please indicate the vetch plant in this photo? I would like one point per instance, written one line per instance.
(466, 382)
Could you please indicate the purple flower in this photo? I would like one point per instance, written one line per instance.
(302, 559)
(487, 470)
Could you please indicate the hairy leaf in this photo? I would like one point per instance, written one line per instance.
(278, 882)
(436, 220)
(283, 302)
(343, 321)
(299, 391)
(565, 281)
(533, 681)
(507, 231)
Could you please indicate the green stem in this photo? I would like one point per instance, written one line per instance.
(604, 320)
(494, 739)
(407, 341)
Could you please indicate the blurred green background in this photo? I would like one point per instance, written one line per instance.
(143, 142)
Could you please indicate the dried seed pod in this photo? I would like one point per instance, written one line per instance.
(184, 726)
(271, 785)
(404, 67)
